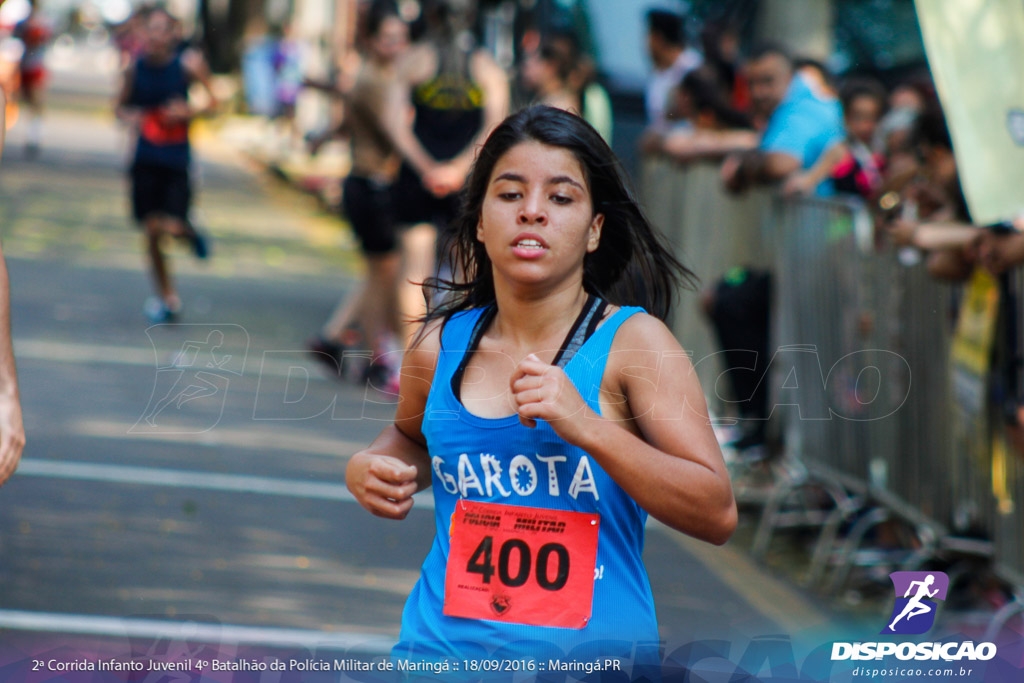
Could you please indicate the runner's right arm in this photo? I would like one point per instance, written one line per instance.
(384, 476)
(122, 110)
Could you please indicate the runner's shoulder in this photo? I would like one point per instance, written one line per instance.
(421, 357)
(644, 332)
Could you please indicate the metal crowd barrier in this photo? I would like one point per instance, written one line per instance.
(861, 373)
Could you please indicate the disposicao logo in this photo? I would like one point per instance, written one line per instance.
(913, 614)
(916, 593)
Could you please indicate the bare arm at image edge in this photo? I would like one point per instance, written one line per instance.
(12, 431)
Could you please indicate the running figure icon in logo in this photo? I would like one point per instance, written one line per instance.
(917, 611)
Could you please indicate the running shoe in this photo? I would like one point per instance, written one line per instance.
(200, 243)
(385, 370)
(330, 353)
(157, 311)
(384, 377)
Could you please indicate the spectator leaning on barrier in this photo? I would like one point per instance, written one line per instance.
(709, 128)
(799, 126)
(672, 60)
(817, 77)
(851, 163)
(933, 214)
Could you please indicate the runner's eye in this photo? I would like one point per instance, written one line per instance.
(509, 196)
(561, 199)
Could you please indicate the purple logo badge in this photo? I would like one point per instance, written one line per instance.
(916, 593)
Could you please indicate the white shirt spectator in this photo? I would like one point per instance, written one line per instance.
(662, 82)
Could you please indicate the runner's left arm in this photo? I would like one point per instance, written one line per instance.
(668, 460)
(199, 72)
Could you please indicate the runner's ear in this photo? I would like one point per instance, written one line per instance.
(594, 235)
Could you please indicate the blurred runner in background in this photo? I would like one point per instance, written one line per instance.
(34, 35)
(459, 94)
(369, 203)
(154, 101)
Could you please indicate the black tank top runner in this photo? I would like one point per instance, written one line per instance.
(449, 107)
(584, 326)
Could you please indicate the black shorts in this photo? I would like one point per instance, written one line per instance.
(160, 190)
(370, 209)
(415, 204)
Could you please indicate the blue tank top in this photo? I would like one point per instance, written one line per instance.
(524, 468)
(160, 142)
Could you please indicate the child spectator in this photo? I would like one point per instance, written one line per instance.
(852, 165)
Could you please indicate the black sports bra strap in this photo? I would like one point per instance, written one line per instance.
(584, 326)
(578, 333)
(602, 306)
(481, 326)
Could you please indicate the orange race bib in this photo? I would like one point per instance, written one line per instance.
(521, 565)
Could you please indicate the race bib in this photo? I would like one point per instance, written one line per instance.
(156, 130)
(521, 565)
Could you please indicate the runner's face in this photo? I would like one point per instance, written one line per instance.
(160, 34)
(537, 221)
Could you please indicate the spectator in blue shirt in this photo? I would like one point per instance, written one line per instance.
(798, 126)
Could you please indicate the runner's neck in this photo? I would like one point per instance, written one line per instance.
(530, 323)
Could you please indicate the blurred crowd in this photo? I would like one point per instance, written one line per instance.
(773, 118)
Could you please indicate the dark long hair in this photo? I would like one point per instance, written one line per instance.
(632, 265)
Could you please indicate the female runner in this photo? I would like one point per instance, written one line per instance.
(552, 410)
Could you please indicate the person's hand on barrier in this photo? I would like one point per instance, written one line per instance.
(651, 142)
(1000, 252)
(12, 435)
(798, 185)
(382, 484)
(730, 172)
(901, 232)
